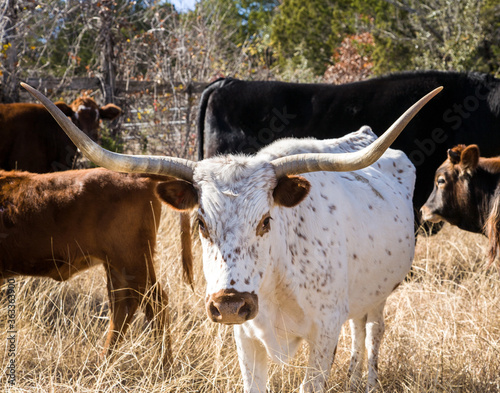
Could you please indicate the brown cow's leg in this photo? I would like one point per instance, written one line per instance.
(156, 302)
(136, 284)
(123, 302)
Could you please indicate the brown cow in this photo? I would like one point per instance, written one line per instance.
(467, 194)
(33, 141)
(58, 224)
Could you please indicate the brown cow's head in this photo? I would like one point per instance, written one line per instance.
(86, 114)
(454, 199)
(466, 194)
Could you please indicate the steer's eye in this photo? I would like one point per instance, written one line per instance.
(264, 225)
(202, 227)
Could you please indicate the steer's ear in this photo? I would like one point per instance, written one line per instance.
(469, 159)
(179, 194)
(109, 111)
(291, 190)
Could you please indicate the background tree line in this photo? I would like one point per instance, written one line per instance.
(333, 41)
(279, 39)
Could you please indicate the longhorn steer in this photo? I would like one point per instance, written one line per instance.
(58, 224)
(33, 141)
(281, 253)
(467, 194)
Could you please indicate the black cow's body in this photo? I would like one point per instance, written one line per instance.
(242, 116)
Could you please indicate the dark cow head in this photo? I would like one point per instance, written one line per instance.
(86, 114)
(466, 194)
(454, 198)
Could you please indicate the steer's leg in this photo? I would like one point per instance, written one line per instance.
(123, 304)
(252, 357)
(322, 348)
(375, 327)
(358, 332)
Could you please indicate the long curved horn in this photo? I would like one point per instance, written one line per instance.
(153, 165)
(344, 162)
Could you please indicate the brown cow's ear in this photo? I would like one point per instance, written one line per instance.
(470, 158)
(65, 108)
(109, 112)
(454, 154)
(179, 194)
(291, 190)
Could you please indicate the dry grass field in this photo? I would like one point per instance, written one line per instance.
(443, 331)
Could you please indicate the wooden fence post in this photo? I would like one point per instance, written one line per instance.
(107, 58)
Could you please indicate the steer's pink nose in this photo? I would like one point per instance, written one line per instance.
(232, 307)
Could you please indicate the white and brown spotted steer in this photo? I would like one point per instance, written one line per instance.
(289, 258)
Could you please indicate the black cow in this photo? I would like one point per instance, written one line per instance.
(242, 116)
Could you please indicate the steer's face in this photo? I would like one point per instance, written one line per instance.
(234, 219)
(237, 199)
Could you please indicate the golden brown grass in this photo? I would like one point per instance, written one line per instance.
(443, 331)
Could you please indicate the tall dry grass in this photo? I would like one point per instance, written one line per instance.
(443, 331)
